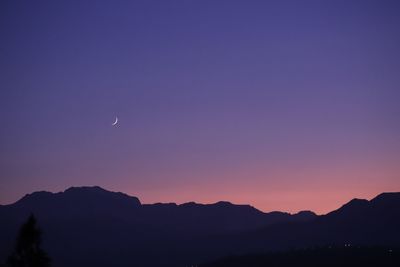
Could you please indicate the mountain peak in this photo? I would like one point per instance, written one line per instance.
(355, 203)
(36, 197)
(223, 204)
(98, 194)
(85, 195)
(305, 213)
(386, 196)
(89, 189)
(386, 201)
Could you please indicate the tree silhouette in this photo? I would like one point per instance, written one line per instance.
(27, 252)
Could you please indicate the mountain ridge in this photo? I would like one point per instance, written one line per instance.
(87, 221)
(100, 190)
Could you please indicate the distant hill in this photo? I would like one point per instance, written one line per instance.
(357, 223)
(90, 226)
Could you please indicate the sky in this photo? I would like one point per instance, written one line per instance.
(284, 105)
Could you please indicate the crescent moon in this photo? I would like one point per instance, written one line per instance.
(115, 122)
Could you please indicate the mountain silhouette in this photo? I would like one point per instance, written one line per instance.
(90, 226)
(343, 256)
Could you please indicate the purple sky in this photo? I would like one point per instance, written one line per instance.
(285, 105)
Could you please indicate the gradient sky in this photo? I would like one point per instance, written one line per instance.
(285, 105)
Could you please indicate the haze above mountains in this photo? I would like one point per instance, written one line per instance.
(88, 226)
